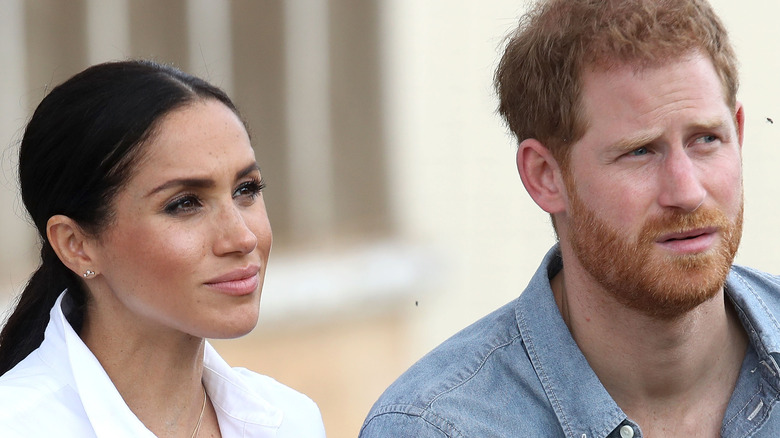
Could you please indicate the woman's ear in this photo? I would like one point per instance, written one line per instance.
(541, 176)
(70, 244)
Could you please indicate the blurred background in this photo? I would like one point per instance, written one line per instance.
(397, 212)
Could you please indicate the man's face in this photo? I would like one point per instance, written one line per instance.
(654, 188)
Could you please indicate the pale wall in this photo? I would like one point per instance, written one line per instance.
(455, 196)
(454, 163)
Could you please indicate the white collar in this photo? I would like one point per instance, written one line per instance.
(240, 410)
(234, 400)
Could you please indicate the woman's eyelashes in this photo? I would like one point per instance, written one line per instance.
(249, 189)
(183, 204)
(189, 203)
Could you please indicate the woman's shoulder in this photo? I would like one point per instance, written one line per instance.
(258, 400)
(30, 379)
(301, 414)
(276, 393)
(36, 401)
(251, 386)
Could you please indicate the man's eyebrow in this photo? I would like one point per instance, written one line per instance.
(721, 125)
(635, 142)
(200, 183)
(643, 139)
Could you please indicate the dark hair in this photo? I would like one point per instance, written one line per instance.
(77, 152)
(538, 79)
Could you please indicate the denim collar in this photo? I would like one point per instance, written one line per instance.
(753, 301)
(581, 403)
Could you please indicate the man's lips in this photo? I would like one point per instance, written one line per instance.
(689, 242)
(687, 235)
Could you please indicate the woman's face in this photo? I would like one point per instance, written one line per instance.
(189, 241)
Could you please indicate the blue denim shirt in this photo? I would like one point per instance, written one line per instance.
(518, 373)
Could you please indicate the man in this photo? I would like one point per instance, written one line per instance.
(636, 323)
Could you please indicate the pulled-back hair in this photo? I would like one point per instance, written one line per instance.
(78, 151)
(538, 80)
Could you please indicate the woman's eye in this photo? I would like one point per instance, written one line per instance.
(185, 204)
(249, 189)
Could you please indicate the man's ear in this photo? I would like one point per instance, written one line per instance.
(70, 244)
(541, 176)
(739, 118)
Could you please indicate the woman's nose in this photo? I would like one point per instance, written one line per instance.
(234, 234)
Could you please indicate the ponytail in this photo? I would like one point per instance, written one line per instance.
(23, 332)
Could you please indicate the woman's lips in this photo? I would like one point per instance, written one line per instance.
(238, 282)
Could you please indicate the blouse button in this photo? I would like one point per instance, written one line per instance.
(626, 432)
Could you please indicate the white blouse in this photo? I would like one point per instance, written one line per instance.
(61, 390)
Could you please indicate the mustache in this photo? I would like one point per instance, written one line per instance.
(671, 222)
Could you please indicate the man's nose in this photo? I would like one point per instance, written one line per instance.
(680, 183)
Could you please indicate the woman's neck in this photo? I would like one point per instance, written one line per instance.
(158, 373)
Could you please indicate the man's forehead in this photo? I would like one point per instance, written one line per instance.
(639, 67)
(612, 126)
(609, 91)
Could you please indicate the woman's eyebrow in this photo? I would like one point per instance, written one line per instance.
(200, 183)
(183, 182)
(247, 170)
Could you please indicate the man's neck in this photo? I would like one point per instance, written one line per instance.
(662, 373)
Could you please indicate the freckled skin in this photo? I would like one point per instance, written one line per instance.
(622, 106)
(163, 247)
(661, 155)
(649, 217)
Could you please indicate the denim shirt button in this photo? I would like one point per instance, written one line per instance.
(626, 431)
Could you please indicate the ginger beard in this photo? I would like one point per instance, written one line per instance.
(660, 286)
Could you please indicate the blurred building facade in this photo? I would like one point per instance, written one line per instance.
(397, 213)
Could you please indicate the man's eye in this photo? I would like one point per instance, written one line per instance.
(708, 139)
(639, 152)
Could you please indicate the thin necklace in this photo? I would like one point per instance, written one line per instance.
(200, 418)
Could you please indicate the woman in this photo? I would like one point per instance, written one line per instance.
(144, 188)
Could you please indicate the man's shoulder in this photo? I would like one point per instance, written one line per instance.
(754, 276)
(465, 386)
(755, 285)
(456, 360)
(757, 296)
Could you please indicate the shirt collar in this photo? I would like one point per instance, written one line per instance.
(241, 412)
(586, 408)
(753, 293)
(108, 413)
(581, 403)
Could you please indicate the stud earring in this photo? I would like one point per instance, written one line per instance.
(88, 273)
